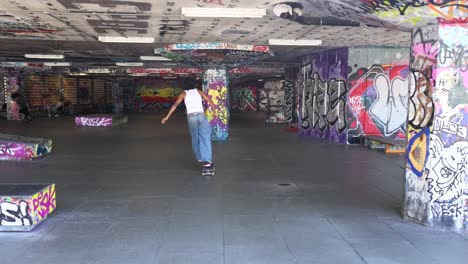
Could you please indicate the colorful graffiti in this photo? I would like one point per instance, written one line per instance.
(377, 101)
(24, 212)
(215, 54)
(215, 86)
(439, 196)
(244, 99)
(13, 147)
(322, 95)
(155, 94)
(415, 12)
(423, 65)
(272, 100)
(43, 203)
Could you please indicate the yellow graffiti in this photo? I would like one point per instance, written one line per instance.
(413, 15)
(43, 203)
(216, 95)
(418, 151)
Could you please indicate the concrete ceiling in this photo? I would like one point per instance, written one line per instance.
(71, 27)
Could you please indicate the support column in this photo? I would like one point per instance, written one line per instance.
(11, 84)
(215, 85)
(117, 98)
(436, 180)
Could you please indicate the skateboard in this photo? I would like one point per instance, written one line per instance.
(209, 171)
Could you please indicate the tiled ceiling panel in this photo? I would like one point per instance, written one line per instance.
(73, 26)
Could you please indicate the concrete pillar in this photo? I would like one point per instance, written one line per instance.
(117, 98)
(436, 179)
(215, 85)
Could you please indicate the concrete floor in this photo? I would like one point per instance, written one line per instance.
(133, 194)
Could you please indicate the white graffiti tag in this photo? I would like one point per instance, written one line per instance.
(93, 121)
(13, 214)
(390, 107)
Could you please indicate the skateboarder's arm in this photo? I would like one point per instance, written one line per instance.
(173, 107)
(210, 102)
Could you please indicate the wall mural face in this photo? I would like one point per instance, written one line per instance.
(322, 95)
(155, 94)
(378, 95)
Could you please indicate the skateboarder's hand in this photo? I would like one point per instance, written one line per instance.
(215, 114)
(164, 120)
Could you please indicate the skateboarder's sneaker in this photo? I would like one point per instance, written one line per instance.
(208, 165)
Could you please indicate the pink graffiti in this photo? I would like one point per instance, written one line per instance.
(45, 202)
(15, 150)
(93, 121)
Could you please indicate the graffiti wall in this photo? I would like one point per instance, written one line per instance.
(437, 154)
(272, 100)
(244, 98)
(22, 213)
(215, 86)
(377, 103)
(322, 95)
(154, 95)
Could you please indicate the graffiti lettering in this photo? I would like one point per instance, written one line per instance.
(447, 209)
(390, 106)
(44, 202)
(455, 55)
(443, 125)
(93, 121)
(12, 214)
(323, 104)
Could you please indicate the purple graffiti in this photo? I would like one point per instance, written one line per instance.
(15, 150)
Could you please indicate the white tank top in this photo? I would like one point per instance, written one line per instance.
(193, 101)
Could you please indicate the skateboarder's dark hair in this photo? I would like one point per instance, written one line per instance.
(189, 83)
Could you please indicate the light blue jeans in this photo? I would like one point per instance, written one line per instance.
(200, 130)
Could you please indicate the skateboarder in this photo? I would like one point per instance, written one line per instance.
(199, 127)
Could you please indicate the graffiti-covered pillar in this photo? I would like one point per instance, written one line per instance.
(215, 85)
(436, 179)
(117, 98)
(11, 84)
